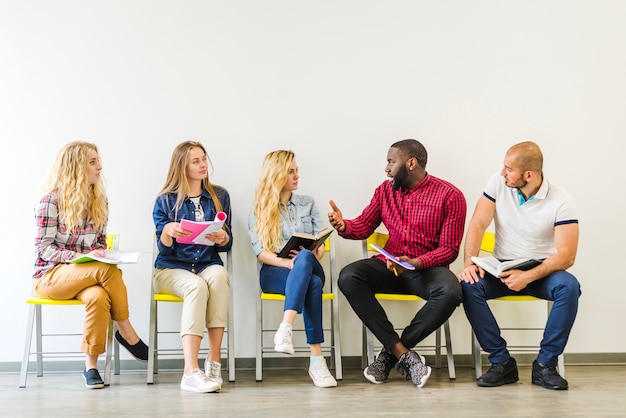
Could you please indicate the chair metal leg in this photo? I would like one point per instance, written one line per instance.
(449, 353)
(336, 339)
(27, 345)
(152, 342)
(109, 353)
(438, 348)
(39, 340)
(259, 340)
(230, 348)
(478, 364)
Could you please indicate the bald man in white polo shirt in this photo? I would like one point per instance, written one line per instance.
(536, 219)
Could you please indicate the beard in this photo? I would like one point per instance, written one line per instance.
(399, 179)
(520, 184)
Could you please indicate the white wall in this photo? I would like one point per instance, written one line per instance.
(337, 82)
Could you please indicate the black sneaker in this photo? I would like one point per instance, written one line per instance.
(378, 371)
(139, 350)
(93, 379)
(414, 367)
(499, 374)
(548, 377)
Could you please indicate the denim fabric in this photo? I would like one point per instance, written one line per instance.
(190, 257)
(560, 287)
(300, 215)
(302, 287)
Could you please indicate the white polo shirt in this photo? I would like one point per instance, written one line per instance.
(527, 230)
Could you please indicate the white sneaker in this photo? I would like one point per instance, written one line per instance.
(320, 375)
(282, 340)
(198, 382)
(213, 371)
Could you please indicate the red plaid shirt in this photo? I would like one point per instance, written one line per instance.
(426, 222)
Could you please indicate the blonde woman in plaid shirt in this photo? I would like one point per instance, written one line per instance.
(71, 220)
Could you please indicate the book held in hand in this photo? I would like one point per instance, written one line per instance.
(393, 258)
(307, 241)
(110, 257)
(495, 267)
(200, 229)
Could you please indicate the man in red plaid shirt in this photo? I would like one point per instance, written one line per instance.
(425, 218)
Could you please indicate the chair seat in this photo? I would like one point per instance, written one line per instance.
(278, 296)
(43, 301)
(165, 297)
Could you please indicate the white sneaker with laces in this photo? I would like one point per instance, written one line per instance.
(213, 371)
(320, 375)
(282, 340)
(198, 382)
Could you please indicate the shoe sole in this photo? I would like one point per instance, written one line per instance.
(96, 386)
(372, 378)
(284, 349)
(199, 390)
(540, 382)
(496, 384)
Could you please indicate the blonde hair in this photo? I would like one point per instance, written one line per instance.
(177, 181)
(77, 199)
(274, 173)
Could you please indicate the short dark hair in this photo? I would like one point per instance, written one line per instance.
(414, 149)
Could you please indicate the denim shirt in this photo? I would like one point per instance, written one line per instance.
(300, 215)
(191, 257)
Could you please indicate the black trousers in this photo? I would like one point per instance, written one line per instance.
(360, 280)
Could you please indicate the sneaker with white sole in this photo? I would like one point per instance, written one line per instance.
(378, 371)
(318, 370)
(93, 379)
(213, 372)
(282, 340)
(414, 367)
(198, 382)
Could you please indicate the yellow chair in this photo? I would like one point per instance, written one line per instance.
(369, 348)
(35, 320)
(487, 245)
(333, 329)
(153, 343)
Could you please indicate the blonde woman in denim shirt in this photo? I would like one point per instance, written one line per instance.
(278, 213)
(194, 272)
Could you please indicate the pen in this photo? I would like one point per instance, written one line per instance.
(395, 272)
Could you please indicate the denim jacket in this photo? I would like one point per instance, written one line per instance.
(300, 215)
(191, 257)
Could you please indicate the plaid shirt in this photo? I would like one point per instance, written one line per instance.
(426, 222)
(54, 244)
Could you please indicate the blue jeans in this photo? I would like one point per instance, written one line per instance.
(560, 287)
(302, 287)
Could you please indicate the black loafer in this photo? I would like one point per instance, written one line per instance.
(139, 350)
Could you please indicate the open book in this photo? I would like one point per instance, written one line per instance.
(111, 257)
(307, 241)
(393, 258)
(495, 267)
(200, 229)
